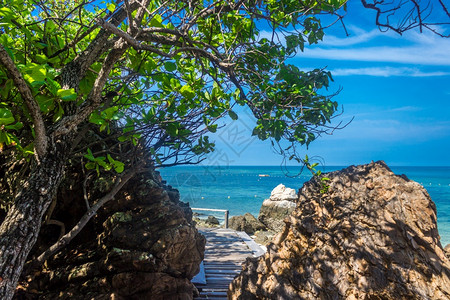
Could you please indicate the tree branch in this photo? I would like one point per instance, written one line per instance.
(63, 241)
(40, 142)
(95, 98)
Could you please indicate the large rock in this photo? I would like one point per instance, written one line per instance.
(211, 220)
(372, 235)
(143, 246)
(274, 210)
(247, 223)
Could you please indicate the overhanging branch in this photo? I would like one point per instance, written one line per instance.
(94, 99)
(40, 142)
(64, 240)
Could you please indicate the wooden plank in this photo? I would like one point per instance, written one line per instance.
(226, 251)
(256, 249)
(223, 272)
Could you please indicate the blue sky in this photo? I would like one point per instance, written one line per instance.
(397, 89)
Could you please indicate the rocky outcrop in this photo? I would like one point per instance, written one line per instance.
(371, 235)
(280, 205)
(447, 250)
(247, 223)
(213, 221)
(141, 246)
(209, 222)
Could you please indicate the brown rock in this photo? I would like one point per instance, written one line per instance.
(144, 246)
(264, 237)
(211, 220)
(447, 250)
(372, 235)
(247, 223)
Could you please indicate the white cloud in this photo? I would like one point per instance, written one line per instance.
(387, 72)
(407, 109)
(407, 55)
(411, 48)
(357, 37)
(389, 130)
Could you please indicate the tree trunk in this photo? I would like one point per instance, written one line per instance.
(20, 229)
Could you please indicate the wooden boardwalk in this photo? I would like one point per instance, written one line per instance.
(226, 250)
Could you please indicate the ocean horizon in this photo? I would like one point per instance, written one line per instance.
(241, 189)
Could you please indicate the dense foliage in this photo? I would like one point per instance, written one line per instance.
(185, 65)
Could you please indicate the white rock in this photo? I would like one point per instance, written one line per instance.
(281, 193)
(279, 203)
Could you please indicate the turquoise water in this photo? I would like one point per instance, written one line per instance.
(240, 189)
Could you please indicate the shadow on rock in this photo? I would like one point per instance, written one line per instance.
(372, 235)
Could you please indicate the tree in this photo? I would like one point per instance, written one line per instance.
(154, 75)
(130, 85)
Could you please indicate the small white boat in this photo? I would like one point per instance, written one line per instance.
(264, 175)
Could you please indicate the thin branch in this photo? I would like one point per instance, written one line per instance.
(444, 8)
(85, 194)
(40, 142)
(63, 241)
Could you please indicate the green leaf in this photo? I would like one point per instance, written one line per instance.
(59, 113)
(35, 74)
(5, 138)
(187, 92)
(111, 7)
(232, 115)
(10, 53)
(96, 118)
(89, 156)
(212, 128)
(9, 84)
(123, 138)
(53, 86)
(17, 126)
(6, 12)
(110, 159)
(156, 21)
(90, 165)
(41, 58)
(170, 66)
(6, 116)
(67, 95)
(117, 165)
(172, 129)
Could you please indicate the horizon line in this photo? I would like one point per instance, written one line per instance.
(330, 165)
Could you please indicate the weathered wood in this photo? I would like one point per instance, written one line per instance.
(226, 250)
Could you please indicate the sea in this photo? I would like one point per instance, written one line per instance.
(241, 189)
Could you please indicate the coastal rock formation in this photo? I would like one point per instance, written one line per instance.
(208, 222)
(372, 235)
(447, 250)
(211, 220)
(142, 246)
(280, 205)
(247, 223)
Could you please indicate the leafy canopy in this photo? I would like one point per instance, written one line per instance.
(180, 66)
